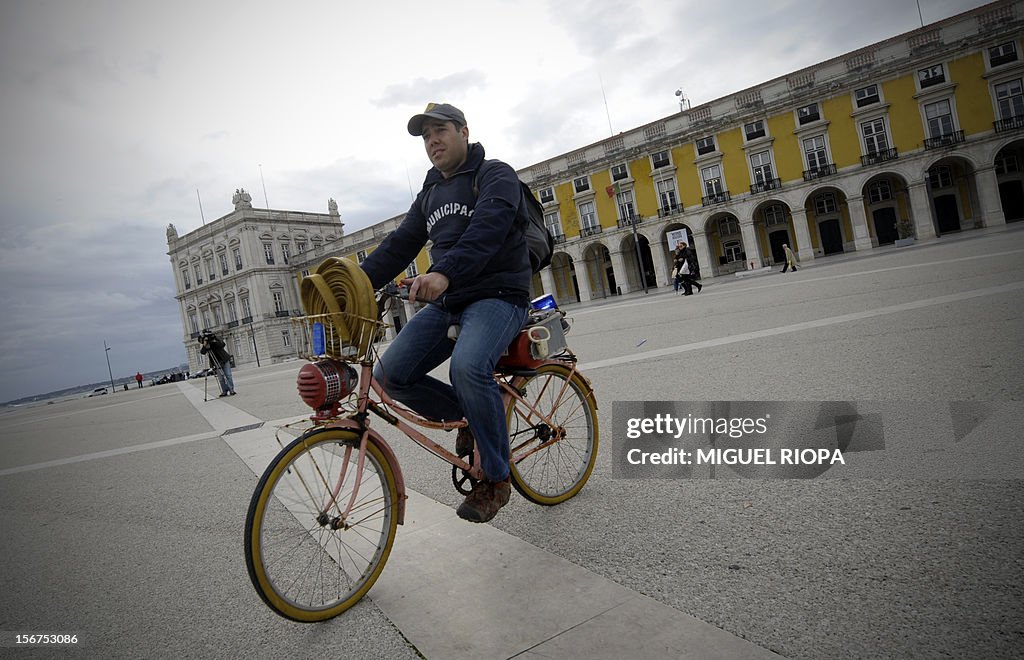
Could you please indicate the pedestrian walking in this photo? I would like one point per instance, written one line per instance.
(790, 259)
(687, 271)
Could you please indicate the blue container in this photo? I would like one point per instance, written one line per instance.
(544, 302)
(319, 341)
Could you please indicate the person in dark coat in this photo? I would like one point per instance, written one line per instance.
(687, 272)
(213, 347)
(469, 209)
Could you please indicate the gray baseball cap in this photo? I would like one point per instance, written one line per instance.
(442, 111)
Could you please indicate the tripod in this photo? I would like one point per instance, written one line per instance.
(206, 377)
(216, 370)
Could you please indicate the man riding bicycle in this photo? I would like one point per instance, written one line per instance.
(468, 209)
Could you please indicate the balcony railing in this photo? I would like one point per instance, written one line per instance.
(630, 220)
(282, 313)
(765, 186)
(232, 324)
(717, 198)
(671, 209)
(1009, 124)
(247, 319)
(558, 238)
(818, 172)
(876, 157)
(947, 140)
(590, 231)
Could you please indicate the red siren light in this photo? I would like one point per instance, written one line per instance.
(323, 384)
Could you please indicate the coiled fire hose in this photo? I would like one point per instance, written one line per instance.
(339, 288)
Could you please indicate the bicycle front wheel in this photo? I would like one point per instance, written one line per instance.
(553, 434)
(306, 559)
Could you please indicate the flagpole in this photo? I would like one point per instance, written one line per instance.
(606, 112)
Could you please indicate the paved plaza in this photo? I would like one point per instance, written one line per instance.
(122, 515)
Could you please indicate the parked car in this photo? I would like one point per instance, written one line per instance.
(98, 391)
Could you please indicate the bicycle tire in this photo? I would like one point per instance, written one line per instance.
(301, 566)
(554, 473)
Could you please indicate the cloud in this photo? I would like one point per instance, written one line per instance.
(455, 85)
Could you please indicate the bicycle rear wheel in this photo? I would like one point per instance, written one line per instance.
(553, 435)
(306, 563)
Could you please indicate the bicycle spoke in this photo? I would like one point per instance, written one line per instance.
(315, 560)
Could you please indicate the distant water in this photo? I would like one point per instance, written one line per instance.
(81, 391)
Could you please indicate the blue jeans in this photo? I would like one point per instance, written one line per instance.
(487, 328)
(227, 383)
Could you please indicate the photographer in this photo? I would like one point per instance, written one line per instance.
(220, 360)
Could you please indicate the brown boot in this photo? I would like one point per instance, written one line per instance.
(483, 503)
(464, 442)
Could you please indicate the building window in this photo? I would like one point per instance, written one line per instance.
(268, 252)
(879, 191)
(361, 256)
(285, 252)
(185, 278)
(814, 150)
(206, 319)
(866, 96)
(825, 203)
(932, 75)
(1007, 164)
(667, 195)
(588, 219)
(625, 203)
(754, 129)
(547, 195)
(223, 259)
(412, 270)
(1010, 99)
(286, 338)
(619, 172)
(553, 223)
(712, 177)
(581, 184)
(232, 311)
(193, 322)
(238, 258)
(705, 145)
(199, 274)
(940, 177)
(732, 251)
(728, 226)
(761, 166)
(807, 114)
(300, 246)
(246, 311)
(1002, 54)
(305, 272)
(940, 118)
(774, 215)
(278, 301)
(875, 140)
(210, 269)
(660, 159)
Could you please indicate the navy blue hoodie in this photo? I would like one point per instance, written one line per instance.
(477, 239)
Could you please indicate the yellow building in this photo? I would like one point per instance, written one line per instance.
(911, 138)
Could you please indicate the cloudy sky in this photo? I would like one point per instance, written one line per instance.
(118, 117)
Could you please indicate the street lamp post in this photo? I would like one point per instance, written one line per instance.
(106, 351)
